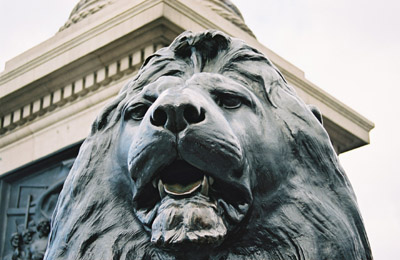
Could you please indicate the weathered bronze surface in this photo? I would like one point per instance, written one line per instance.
(207, 153)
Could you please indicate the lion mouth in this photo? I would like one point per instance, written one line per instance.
(190, 207)
(180, 179)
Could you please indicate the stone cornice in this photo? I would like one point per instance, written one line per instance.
(51, 50)
(332, 102)
(76, 89)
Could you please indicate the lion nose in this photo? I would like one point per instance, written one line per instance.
(177, 116)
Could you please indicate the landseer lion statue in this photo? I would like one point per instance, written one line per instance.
(207, 153)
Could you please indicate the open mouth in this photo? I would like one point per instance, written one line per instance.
(189, 206)
(181, 179)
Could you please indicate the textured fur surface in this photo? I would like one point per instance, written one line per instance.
(301, 204)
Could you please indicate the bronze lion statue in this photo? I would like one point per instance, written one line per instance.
(207, 153)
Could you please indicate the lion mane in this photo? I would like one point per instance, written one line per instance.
(295, 199)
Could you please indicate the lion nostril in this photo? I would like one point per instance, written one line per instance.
(175, 118)
(193, 115)
(159, 117)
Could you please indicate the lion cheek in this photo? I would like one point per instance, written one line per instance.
(188, 221)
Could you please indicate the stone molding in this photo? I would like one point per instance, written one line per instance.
(332, 102)
(74, 90)
(66, 42)
(329, 101)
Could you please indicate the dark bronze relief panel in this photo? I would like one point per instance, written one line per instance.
(28, 198)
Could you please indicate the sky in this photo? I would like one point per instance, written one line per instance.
(351, 49)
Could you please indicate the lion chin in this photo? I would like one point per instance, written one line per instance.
(207, 153)
(194, 220)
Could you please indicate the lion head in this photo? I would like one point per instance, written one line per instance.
(207, 154)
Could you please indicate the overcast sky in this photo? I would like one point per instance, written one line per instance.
(349, 48)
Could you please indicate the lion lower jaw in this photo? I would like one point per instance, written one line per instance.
(193, 220)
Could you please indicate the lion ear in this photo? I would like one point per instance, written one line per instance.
(316, 112)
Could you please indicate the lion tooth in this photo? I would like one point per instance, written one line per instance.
(181, 190)
(204, 186)
(210, 180)
(154, 182)
(161, 189)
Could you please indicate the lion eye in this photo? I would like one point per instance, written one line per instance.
(229, 101)
(137, 111)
